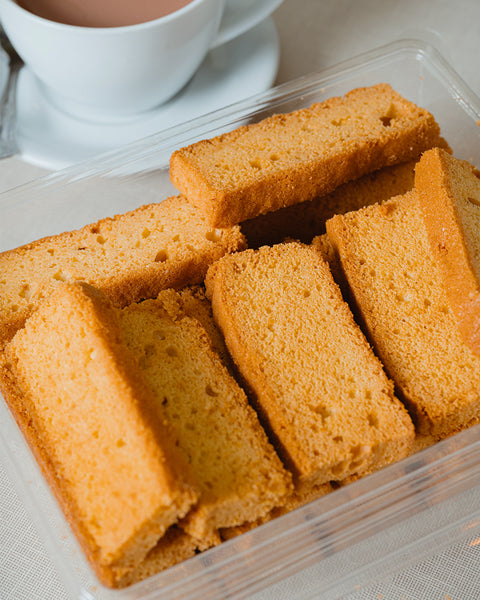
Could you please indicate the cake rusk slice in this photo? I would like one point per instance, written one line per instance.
(239, 474)
(306, 220)
(290, 158)
(96, 429)
(129, 257)
(449, 193)
(319, 390)
(173, 548)
(193, 301)
(401, 299)
(296, 500)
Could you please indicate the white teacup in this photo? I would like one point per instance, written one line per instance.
(113, 72)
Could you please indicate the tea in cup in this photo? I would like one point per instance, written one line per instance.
(110, 59)
(102, 13)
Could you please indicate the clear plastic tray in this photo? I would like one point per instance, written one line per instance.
(351, 538)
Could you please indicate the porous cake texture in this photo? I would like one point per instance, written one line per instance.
(238, 472)
(174, 547)
(129, 257)
(178, 389)
(401, 299)
(295, 500)
(194, 303)
(290, 158)
(449, 193)
(305, 220)
(320, 391)
(96, 430)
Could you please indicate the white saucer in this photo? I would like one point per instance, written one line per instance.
(52, 139)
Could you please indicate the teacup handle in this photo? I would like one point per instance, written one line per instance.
(240, 16)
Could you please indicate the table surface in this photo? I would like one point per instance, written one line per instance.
(313, 35)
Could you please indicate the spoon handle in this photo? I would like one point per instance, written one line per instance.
(8, 113)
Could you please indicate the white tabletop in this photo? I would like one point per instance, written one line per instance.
(314, 34)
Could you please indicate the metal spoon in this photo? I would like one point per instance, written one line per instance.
(8, 105)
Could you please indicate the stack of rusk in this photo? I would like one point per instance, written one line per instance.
(304, 313)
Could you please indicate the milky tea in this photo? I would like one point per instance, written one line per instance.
(102, 13)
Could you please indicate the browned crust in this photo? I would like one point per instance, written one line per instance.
(174, 547)
(144, 275)
(439, 204)
(218, 506)
(265, 395)
(438, 410)
(295, 500)
(306, 220)
(176, 472)
(404, 136)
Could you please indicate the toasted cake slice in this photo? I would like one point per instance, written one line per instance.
(449, 193)
(295, 157)
(295, 500)
(194, 303)
(397, 286)
(305, 220)
(316, 383)
(129, 257)
(174, 547)
(239, 473)
(96, 429)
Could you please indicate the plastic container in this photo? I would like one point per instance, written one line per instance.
(351, 538)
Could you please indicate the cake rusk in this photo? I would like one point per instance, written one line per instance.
(449, 193)
(319, 390)
(96, 430)
(306, 220)
(402, 302)
(193, 301)
(290, 158)
(174, 547)
(295, 500)
(238, 472)
(129, 257)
